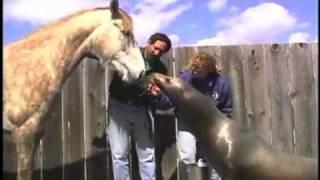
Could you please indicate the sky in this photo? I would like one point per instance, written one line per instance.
(186, 22)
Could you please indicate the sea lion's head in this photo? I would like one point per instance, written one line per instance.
(174, 88)
(189, 102)
(179, 92)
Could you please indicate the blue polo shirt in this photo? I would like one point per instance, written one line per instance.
(215, 86)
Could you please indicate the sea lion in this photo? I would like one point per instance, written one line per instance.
(234, 151)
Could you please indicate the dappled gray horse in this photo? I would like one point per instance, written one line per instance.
(36, 67)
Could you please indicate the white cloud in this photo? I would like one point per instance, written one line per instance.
(259, 24)
(151, 16)
(38, 12)
(216, 5)
(299, 37)
(175, 39)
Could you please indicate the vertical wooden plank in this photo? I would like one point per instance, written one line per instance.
(302, 96)
(315, 120)
(94, 118)
(280, 109)
(232, 61)
(108, 74)
(52, 142)
(72, 116)
(38, 162)
(255, 91)
(167, 59)
(165, 141)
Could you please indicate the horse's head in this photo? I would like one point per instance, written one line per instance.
(125, 57)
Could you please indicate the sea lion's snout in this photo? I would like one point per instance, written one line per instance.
(159, 79)
(169, 85)
(154, 82)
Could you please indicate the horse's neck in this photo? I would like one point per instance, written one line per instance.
(48, 55)
(72, 38)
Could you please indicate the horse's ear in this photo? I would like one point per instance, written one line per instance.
(114, 8)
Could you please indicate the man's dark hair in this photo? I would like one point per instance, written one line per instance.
(161, 37)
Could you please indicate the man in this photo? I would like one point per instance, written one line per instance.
(128, 114)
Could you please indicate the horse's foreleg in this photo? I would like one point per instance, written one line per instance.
(27, 138)
(25, 156)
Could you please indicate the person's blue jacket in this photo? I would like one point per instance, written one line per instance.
(215, 86)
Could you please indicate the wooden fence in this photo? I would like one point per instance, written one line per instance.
(275, 92)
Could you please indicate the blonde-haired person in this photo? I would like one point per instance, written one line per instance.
(201, 73)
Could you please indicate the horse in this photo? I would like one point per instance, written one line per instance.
(36, 67)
